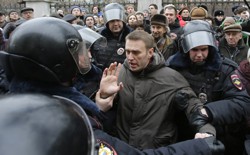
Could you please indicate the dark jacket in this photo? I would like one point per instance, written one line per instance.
(114, 50)
(146, 104)
(237, 53)
(226, 101)
(88, 84)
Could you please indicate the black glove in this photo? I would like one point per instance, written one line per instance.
(216, 147)
(197, 120)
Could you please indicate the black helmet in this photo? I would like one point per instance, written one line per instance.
(32, 124)
(197, 33)
(114, 11)
(44, 49)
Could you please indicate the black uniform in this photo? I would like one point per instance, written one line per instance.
(219, 87)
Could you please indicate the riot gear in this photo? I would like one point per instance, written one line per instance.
(197, 33)
(114, 11)
(43, 125)
(50, 54)
(91, 37)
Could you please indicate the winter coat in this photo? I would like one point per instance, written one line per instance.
(146, 105)
(227, 102)
(237, 53)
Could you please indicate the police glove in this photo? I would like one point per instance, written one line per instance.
(216, 147)
(198, 119)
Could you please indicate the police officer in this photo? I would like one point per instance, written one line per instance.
(215, 82)
(115, 32)
(43, 57)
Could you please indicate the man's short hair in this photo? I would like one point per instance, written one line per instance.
(154, 5)
(170, 7)
(142, 35)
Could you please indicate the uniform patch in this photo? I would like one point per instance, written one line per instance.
(105, 148)
(236, 81)
(120, 51)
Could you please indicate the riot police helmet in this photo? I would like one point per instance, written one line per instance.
(44, 49)
(35, 124)
(197, 33)
(114, 11)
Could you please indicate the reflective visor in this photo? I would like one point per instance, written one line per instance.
(80, 55)
(114, 14)
(90, 37)
(198, 39)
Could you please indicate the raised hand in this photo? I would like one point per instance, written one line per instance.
(109, 82)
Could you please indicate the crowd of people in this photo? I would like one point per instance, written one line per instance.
(114, 80)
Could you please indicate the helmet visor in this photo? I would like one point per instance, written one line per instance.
(114, 14)
(80, 55)
(198, 39)
(91, 37)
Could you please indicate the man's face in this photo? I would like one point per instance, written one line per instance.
(76, 12)
(220, 17)
(244, 15)
(28, 14)
(132, 20)
(130, 9)
(138, 56)
(152, 10)
(139, 17)
(199, 54)
(185, 13)
(233, 38)
(89, 22)
(14, 16)
(158, 31)
(115, 26)
(2, 18)
(170, 14)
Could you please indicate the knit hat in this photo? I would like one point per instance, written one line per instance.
(185, 8)
(73, 7)
(11, 12)
(228, 21)
(234, 8)
(2, 13)
(139, 12)
(203, 6)
(86, 16)
(159, 19)
(198, 13)
(218, 13)
(233, 28)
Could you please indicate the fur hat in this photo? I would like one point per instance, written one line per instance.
(198, 13)
(218, 13)
(159, 19)
(233, 28)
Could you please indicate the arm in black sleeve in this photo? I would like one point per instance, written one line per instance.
(234, 105)
(207, 146)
